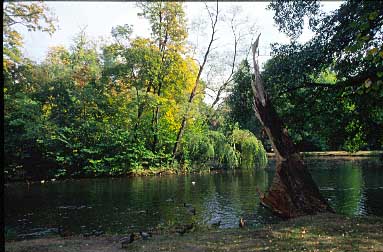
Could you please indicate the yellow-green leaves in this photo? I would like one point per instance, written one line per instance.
(167, 21)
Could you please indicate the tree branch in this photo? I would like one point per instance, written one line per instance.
(229, 78)
(357, 80)
(193, 92)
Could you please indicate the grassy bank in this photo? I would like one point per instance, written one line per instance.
(326, 232)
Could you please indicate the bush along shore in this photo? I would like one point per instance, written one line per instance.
(216, 163)
(236, 149)
(324, 232)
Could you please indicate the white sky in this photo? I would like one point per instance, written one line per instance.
(100, 17)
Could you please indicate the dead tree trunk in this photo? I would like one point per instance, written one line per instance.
(293, 191)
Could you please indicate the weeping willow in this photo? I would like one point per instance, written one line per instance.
(240, 149)
(219, 142)
(252, 151)
(199, 148)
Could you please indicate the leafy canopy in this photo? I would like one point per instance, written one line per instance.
(331, 86)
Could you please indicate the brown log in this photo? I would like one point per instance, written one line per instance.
(293, 191)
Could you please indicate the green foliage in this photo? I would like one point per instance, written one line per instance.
(220, 145)
(289, 15)
(22, 124)
(239, 149)
(329, 90)
(122, 32)
(23, 117)
(240, 103)
(356, 138)
(251, 149)
(85, 113)
(232, 157)
(200, 147)
(82, 113)
(240, 100)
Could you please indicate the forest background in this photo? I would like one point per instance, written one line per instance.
(136, 105)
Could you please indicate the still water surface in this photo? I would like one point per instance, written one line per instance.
(122, 205)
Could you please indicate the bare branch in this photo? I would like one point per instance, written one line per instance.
(209, 95)
(211, 89)
(233, 63)
(198, 62)
(193, 93)
(210, 15)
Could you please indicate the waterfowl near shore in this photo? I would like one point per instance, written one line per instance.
(145, 235)
(127, 240)
(242, 223)
(181, 231)
(98, 232)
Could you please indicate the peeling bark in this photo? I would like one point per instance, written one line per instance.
(293, 191)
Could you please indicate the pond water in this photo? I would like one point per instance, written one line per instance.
(123, 205)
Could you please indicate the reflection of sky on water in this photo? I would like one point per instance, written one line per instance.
(122, 205)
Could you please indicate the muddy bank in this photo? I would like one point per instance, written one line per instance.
(327, 232)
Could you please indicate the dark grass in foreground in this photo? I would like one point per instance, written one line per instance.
(326, 232)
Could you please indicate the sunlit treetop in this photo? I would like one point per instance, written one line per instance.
(168, 22)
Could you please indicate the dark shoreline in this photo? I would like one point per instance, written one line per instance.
(145, 173)
(169, 172)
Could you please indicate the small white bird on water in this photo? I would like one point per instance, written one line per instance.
(193, 182)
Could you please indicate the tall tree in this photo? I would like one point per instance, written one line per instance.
(242, 30)
(347, 45)
(22, 112)
(213, 25)
(168, 25)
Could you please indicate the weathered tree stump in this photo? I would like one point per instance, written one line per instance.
(293, 191)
